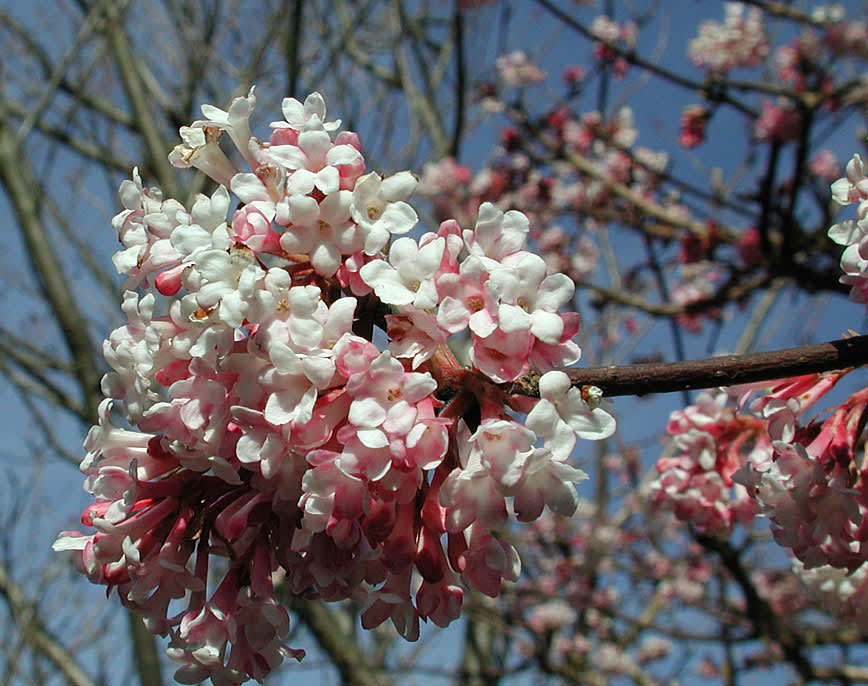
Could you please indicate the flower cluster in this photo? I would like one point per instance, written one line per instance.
(711, 443)
(299, 413)
(516, 69)
(804, 476)
(551, 195)
(853, 234)
(812, 489)
(740, 41)
(693, 122)
(612, 37)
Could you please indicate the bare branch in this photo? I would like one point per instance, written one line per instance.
(34, 630)
(726, 370)
(21, 186)
(345, 653)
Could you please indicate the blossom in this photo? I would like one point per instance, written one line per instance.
(693, 121)
(379, 208)
(711, 444)
(290, 408)
(562, 406)
(408, 276)
(516, 69)
(307, 116)
(235, 121)
(740, 41)
(528, 300)
(777, 122)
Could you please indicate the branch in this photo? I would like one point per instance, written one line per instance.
(767, 624)
(588, 167)
(726, 370)
(344, 652)
(22, 189)
(134, 88)
(34, 631)
(633, 58)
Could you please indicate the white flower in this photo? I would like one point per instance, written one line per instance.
(229, 282)
(515, 69)
(201, 150)
(408, 277)
(379, 208)
(235, 122)
(208, 230)
(322, 230)
(310, 116)
(547, 481)
(560, 405)
(497, 235)
(528, 299)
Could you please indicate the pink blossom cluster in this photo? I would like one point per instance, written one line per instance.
(697, 281)
(693, 121)
(778, 121)
(734, 458)
(710, 443)
(846, 38)
(800, 63)
(610, 36)
(740, 41)
(813, 488)
(840, 592)
(853, 233)
(575, 602)
(803, 475)
(298, 412)
(517, 69)
(549, 194)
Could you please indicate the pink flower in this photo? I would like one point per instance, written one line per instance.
(287, 427)
(515, 69)
(777, 122)
(825, 165)
(740, 41)
(693, 121)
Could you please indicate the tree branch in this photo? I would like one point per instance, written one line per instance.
(343, 651)
(726, 370)
(35, 632)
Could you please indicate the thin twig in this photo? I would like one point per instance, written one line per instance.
(726, 370)
(31, 626)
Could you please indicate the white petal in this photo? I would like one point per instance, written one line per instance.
(300, 182)
(512, 318)
(555, 291)
(593, 426)
(547, 326)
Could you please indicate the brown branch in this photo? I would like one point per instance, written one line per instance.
(23, 190)
(767, 624)
(345, 654)
(726, 370)
(590, 168)
(35, 632)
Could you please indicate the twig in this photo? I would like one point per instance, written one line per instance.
(35, 632)
(344, 652)
(726, 370)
